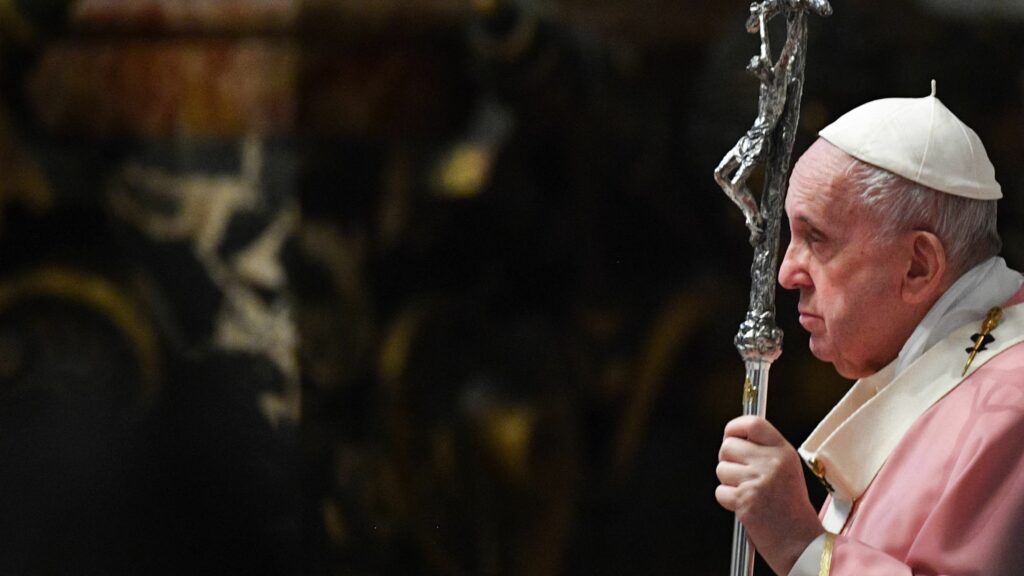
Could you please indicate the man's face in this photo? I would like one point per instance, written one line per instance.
(849, 280)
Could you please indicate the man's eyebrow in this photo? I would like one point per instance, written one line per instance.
(810, 225)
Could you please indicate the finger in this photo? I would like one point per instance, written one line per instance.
(740, 426)
(756, 429)
(737, 450)
(726, 496)
(733, 474)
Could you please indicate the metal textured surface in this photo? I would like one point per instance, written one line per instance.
(770, 142)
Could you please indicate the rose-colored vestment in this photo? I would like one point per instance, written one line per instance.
(949, 500)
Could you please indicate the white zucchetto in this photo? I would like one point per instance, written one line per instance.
(921, 140)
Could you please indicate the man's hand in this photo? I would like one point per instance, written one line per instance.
(763, 483)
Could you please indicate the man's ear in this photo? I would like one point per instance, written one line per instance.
(926, 275)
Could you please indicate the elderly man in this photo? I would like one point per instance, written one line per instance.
(892, 213)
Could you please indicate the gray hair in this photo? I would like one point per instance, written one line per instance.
(966, 227)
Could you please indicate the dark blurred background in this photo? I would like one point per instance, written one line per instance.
(407, 287)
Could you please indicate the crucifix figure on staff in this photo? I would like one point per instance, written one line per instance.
(894, 252)
(776, 79)
(769, 141)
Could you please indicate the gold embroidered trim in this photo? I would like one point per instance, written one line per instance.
(826, 555)
(818, 469)
(992, 320)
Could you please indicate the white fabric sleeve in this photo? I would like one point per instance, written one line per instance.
(809, 563)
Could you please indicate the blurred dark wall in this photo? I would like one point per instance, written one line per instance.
(417, 287)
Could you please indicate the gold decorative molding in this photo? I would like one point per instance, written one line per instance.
(99, 294)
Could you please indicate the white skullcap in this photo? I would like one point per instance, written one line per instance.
(921, 140)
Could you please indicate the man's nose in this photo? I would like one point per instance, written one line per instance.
(792, 273)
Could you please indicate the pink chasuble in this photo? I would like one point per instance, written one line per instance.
(949, 500)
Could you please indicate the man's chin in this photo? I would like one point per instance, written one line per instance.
(845, 368)
(827, 354)
(820, 350)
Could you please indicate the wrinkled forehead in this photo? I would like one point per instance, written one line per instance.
(819, 181)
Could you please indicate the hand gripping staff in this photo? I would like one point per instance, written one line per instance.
(769, 141)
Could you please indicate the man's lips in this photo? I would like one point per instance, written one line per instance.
(809, 320)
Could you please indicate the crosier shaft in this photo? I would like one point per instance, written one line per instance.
(759, 340)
